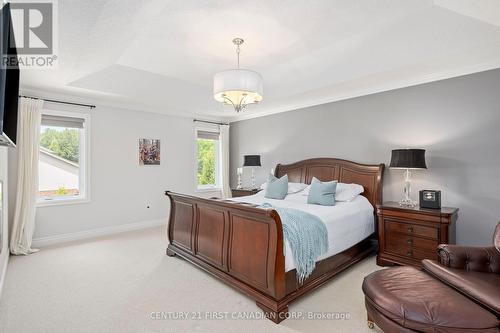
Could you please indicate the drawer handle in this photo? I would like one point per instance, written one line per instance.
(408, 253)
(410, 229)
(409, 241)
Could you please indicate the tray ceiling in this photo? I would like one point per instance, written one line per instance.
(160, 56)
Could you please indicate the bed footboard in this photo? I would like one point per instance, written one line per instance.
(238, 243)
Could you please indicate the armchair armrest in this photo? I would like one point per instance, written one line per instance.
(469, 258)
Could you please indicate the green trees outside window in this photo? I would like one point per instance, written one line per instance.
(64, 143)
(207, 157)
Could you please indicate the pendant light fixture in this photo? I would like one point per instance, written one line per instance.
(238, 87)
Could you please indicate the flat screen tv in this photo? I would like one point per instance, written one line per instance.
(9, 80)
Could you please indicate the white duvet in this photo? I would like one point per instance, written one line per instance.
(348, 223)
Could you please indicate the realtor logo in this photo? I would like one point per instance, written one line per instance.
(33, 28)
(34, 25)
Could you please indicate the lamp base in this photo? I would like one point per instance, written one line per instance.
(407, 203)
(253, 179)
(239, 187)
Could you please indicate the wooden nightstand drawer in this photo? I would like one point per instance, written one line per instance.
(410, 229)
(411, 215)
(395, 240)
(413, 253)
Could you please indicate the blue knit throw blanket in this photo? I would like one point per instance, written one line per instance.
(307, 236)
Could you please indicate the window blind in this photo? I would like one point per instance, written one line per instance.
(208, 135)
(60, 121)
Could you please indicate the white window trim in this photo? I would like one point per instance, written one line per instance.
(218, 185)
(84, 177)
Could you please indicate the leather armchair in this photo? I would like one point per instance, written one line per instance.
(477, 259)
(474, 271)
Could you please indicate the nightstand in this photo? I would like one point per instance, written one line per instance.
(408, 235)
(242, 192)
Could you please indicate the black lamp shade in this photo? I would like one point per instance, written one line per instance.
(408, 159)
(251, 160)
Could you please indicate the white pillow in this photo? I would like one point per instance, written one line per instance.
(292, 187)
(344, 192)
(348, 192)
(296, 187)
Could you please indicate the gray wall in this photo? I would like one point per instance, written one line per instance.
(456, 121)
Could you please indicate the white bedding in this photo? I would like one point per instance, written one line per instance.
(348, 223)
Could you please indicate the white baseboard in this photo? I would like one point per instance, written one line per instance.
(3, 272)
(93, 233)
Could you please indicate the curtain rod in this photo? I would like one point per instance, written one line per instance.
(209, 122)
(60, 102)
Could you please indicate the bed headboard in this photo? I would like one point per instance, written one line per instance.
(327, 169)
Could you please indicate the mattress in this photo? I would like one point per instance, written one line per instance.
(347, 223)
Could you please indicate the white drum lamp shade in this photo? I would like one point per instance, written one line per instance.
(238, 87)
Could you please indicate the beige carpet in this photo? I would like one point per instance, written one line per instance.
(114, 284)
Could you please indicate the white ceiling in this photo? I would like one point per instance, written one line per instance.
(160, 56)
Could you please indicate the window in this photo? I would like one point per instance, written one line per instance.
(63, 158)
(208, 152)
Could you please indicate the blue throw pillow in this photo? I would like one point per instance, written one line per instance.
(322, 193)
(276, 188)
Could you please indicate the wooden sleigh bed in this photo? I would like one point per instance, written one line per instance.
(242, 244)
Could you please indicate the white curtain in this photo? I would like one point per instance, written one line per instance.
(224, 141)
(28, 135)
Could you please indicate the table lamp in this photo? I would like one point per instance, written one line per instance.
(408, 159)
(252, 161)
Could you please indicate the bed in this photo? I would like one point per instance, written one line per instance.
(242, 244)
(347, 223)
